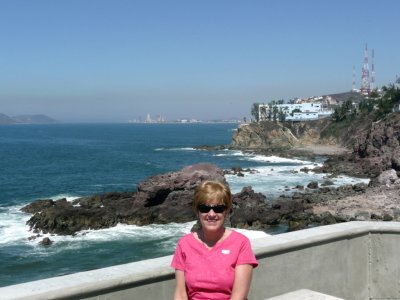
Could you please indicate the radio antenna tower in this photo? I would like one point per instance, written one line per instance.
(373, 70)
(365, 83)
(354, 79)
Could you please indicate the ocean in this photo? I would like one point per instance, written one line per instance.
(73, 160)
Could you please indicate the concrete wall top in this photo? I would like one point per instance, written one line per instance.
(159, 268)
(285, 241)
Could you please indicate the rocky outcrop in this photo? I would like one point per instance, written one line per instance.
(252, 211)
(379, 201)
(280, 135)
(160, 199)
(379, 147)
(263, 135)
(375, 150)
(167, 198)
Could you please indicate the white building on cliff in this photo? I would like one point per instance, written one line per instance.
(293, 112)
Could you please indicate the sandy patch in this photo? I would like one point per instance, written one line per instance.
(323, 149)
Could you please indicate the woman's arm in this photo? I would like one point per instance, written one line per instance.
(241, 285)
(180, 288)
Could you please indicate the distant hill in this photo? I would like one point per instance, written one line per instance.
(4, 119)
(26, 119)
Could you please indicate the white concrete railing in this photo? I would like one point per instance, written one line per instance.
(354, 261)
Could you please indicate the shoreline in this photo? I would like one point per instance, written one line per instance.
(378, 200)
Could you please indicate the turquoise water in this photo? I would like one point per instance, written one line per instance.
(73, 160)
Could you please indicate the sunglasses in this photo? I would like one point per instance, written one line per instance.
(218, 209)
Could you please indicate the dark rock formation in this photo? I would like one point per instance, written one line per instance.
(312, 185)
(249, 210)
(159, 199)
(239, 171)
(46, 241)
(38, 205)
(210, 148)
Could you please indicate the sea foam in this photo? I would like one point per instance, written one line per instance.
(13, 228)
(274, 176)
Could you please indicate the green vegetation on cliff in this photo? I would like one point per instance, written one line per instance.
(350, 117)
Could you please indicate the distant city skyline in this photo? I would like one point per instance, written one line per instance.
(119, 60)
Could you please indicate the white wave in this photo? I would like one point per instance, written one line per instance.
(276, 159)
(13, 228)
(252, 234)
(344, 179)
(176, 149)
(221, 154)
(166, 236)
(69, 197)
(184, 149)
(273, 181)
(278, 175)
(122, 231)
(229, 153)
(169, 233)
(262, 158)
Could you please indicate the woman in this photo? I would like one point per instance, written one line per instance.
(213, 262)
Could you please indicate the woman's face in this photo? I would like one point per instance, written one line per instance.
(211, 219)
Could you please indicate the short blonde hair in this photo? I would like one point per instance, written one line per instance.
(214, 191)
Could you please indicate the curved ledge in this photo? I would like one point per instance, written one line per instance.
(304, 250)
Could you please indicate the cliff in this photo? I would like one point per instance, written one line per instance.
(274, 136)
(373, 150)
(372, 147)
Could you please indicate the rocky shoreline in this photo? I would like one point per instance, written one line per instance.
(167, 197)
(373, 152)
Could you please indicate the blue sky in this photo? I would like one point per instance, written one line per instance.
(116, 60)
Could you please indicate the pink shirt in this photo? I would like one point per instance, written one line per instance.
(209, 274)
